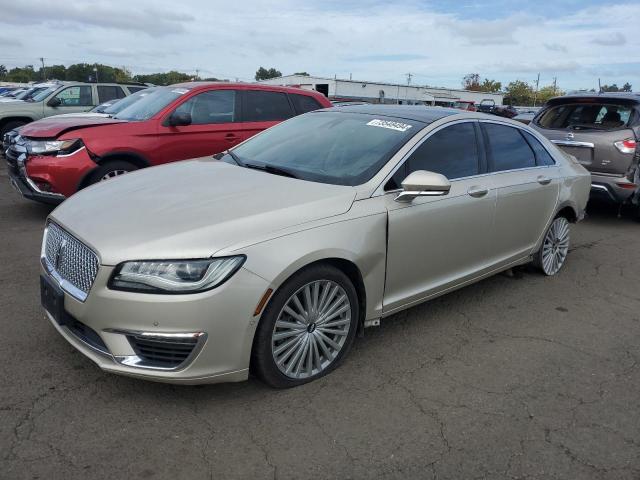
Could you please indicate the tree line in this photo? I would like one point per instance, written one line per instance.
(91, 72)
(520, 92)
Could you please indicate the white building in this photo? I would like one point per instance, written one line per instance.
(377, 92)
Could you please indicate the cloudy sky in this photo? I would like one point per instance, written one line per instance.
(438, 41)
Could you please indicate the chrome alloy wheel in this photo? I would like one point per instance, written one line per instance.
(112, 174)
(555, 246)
(311, 329)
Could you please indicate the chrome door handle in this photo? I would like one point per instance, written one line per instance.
(478, 191)
(542, 180)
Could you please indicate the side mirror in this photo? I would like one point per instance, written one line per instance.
(423, 184)
(181, 119)
(54, 102)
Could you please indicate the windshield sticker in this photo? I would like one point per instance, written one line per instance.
(400, 127)
(180, 91)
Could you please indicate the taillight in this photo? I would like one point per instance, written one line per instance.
(626, 146)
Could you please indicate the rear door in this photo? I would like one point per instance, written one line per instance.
(592, 131)
(262, 109)
(528, 182)
(215, 126)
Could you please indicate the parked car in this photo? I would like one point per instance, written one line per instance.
(28, 93)
(602, 132)
(66, 97)
(106, 109)
(486, 106)
(272, 258)
(56, 157)
(463, 105)
(525, 118)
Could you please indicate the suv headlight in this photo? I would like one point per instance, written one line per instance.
(61, 147)
(174, 276)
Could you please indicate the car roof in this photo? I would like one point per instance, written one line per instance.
(418, 113)
(596, 97)
(244, 86)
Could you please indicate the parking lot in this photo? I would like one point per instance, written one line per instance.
(518, 376)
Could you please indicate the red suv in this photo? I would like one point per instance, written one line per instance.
(55, 157)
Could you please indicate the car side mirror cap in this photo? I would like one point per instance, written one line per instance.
(54, 102)
(180, 119)
(422, 183)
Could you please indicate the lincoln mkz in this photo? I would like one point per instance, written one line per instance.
(271, 257)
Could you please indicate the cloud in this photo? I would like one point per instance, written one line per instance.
(10, 42)
(555, 47)
(613, 40)
(399, 57)
(152, 21)
(488, 32)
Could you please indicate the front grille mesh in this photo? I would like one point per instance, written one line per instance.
(70, 258)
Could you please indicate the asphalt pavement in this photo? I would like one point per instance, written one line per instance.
(519, 376)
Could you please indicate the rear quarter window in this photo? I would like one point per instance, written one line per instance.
(304, 103)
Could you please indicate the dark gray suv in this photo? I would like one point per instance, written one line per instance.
(602, 131)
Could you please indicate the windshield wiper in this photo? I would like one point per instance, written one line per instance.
(236, 159)
(272, 169)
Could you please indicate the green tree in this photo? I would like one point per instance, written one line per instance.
(167, 78)
(471, 81)
(21, 74)
(546, 93)
(3, 72)
(490, 86)
(304, 74)
(610, 88)
(264, 74)
(519, 93)
(627, 87)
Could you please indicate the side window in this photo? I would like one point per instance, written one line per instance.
(304, 103)
(109, 92)
(214, 106)
(79, 96)
(263, 106)
(542, 156)
(508, 148)
(452, 151)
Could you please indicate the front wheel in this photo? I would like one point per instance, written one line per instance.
(111, 170)
(555, 247)
(307, 329)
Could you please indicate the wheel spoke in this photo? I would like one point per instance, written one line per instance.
(294, 314)
(291, 325)
(332, 331)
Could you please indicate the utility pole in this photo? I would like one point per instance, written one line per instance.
(409, 75)
(599, 86)
(95, 69)
(555, 82)
(44, 71)
(535, 94)
(197, 74)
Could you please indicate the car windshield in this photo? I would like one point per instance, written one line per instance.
(40, 96)
(24, 94)
(115, 106)
(580, 116)
(329, 147)
(147, 106)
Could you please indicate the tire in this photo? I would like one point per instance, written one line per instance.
(111, 170)
(551, 256)
(11, 125)
(282, 335)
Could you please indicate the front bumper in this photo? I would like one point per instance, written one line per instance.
(222, 316)
(21, 181)
(609, 187)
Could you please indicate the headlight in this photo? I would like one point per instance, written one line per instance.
(174, 276)
(61, 147)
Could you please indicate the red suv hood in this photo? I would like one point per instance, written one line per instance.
(52, 127)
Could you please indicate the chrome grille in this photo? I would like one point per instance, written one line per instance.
(70, 260)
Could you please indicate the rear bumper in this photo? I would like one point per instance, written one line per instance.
(612, 188)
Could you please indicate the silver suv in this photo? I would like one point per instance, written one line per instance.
(65, 97)
(602, 131)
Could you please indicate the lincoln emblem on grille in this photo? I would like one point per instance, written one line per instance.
(60, 252)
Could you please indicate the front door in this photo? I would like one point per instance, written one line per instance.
(214, 127)
(78, 98)
(437, 242)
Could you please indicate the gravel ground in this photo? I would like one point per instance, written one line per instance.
(517, 376)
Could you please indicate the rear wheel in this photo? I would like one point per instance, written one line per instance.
(110, 170)
(555, 247)
(307, 329)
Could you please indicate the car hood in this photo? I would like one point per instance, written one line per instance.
(55, 126)
(193, 209)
